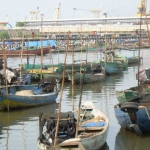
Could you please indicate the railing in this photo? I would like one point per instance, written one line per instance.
(98, 28)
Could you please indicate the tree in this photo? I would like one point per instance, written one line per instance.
(4, 35)
(20, 24)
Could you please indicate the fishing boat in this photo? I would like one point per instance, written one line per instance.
(134, 115)
(86, 78)
(113, 64)
(133, 92)
(13, 77)
(26, 51)
(111, 67)
(25, 96)
(50, 71)
(92, 130)
(134, 60)
(24, 79)
(143, 76)
(123, 60)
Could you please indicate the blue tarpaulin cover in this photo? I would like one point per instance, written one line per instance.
(45, 43)
(7, 43)
(94, 124)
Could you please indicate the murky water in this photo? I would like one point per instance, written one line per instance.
(19, 129)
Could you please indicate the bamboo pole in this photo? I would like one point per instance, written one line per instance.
(5, 65)
(105, 59)
(61, 93)
(147, 23)
(72, 81)
(139, 50)
(22, 51)
(80, 100)
(41, 47)
(79, 105)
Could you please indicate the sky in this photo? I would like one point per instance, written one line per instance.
(17, 10)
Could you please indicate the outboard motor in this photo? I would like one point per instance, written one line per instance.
(49, 85)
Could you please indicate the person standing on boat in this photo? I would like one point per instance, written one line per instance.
(32, 34)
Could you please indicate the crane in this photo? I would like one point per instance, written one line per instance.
(79, 12)
(142, 7)
(34, 14)
(95, 13)
(57, 12)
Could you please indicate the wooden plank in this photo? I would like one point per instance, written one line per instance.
(69, 143)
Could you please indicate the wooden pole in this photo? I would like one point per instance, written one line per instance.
(72, 81)
(147, 23)
(139, 50)
(105, 59)
(5, 65)
(61, 93)
(41, 47)
(79, 105)
(22, 51)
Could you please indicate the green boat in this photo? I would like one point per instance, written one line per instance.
(87, 77)
(49, 71)
(114, 67)
(133, 92)
(134, 60)
(123, 60)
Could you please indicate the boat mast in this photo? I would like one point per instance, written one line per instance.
(41, 46)
(105, 51)
(61, 93)
(5, 65)
(79, 105)
(147, 23)
(22, 50)
(72, 81)
(141, 13)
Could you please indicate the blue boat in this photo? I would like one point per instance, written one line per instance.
(134, 115)
(25, 79)
(25, 96)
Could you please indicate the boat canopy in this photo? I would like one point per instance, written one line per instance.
(45, 43)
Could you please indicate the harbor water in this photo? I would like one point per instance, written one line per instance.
(19, 129)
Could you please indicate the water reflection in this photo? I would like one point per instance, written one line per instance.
(126, 140)
(19, 129)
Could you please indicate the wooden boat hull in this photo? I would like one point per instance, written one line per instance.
(122, 59)
(60, 66)
(92, 132)
(112, 67)
(133, 60)
(25, 51)
(143, 76)
(25, 101)
(95, 142)
(88, 77)
(134, 115)
(132, 92)
(58, 76)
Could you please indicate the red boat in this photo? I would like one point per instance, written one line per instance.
(26, 51)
